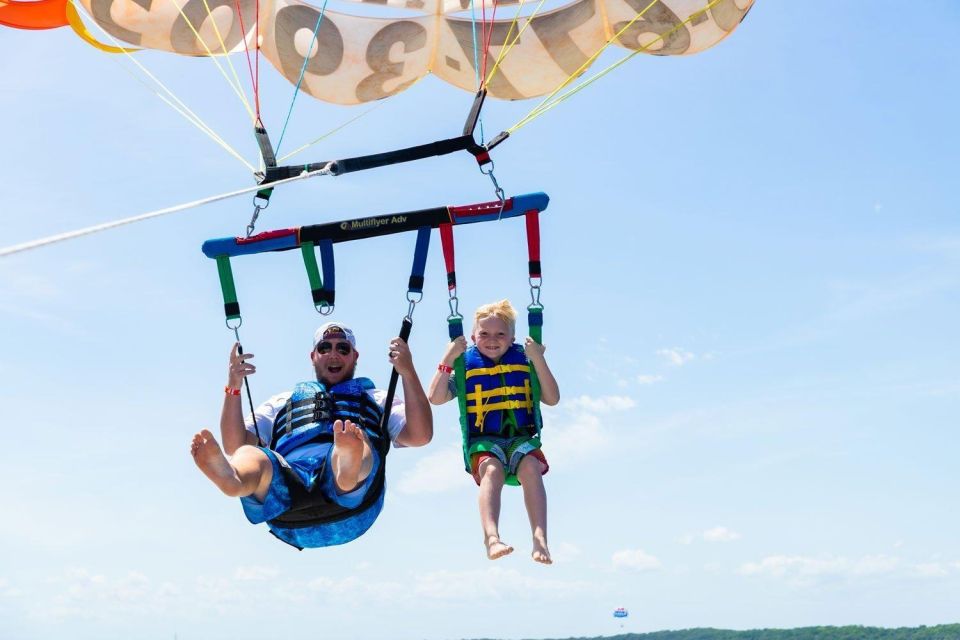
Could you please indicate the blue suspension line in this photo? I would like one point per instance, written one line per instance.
(303, 69)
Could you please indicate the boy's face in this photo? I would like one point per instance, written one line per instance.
(493, 337)
(334, 361)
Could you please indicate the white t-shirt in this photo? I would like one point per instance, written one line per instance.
(267, 412)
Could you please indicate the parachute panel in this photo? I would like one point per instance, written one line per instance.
(359, 59)
(355, 59)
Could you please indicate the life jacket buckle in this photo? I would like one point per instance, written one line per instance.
(322, 407)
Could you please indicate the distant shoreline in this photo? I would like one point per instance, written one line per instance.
(849, 632)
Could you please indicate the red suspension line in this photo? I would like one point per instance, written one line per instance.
(253, 79)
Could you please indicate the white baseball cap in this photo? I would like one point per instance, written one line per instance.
(336, 331)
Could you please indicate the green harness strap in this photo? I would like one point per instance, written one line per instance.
(460, 379)
(535, 321)
(231, 308)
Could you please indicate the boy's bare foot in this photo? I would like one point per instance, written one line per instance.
(540, 552)
(209, 457)
(496, 548)
(349, 442)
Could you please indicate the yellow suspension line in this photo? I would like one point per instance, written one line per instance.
(183, 110)
(548, 104)
(506, 50)
(210, 54)
(584, 66)
(330, 133)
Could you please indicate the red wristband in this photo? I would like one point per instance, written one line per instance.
(231, 391)
(444, 368)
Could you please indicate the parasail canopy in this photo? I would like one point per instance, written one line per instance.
(356, 59)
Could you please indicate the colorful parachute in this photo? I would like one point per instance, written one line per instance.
(357, 59)
(620, 612)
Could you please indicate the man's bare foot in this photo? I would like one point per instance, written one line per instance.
(209, 457)
(350, 443)
(496, 548)
(540, 552)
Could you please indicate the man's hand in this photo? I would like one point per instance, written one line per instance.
(239, 367)
(400, 357)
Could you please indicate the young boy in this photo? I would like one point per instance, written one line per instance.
(502, 443)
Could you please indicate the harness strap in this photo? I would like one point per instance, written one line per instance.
(415, 284)
(449, 260)
(231, 307)
(535, 309)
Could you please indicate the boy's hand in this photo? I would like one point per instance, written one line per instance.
(400, 356)
(534, 349)
(239, 367)
(454, 350)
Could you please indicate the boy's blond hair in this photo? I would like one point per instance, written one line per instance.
(502, 309)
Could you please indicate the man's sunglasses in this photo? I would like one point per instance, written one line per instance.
(343, 348)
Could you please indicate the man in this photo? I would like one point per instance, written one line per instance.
(316, 441)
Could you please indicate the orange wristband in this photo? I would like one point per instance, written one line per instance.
(231, 391)
(444, 368)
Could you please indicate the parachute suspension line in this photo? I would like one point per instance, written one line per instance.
(331, 132)
(254, 79)
(550, 101)
(256, 34)
(303, 70)
(476, 50)
(516, 38)
(78, 26)
(488, 35)
(179, 107)
(235, 83)
(585, 65)
(70, 235)
(476, 58)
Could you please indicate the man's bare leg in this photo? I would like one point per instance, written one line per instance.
(491, 486)
(247, 472)
(530, 474)
(352, 457)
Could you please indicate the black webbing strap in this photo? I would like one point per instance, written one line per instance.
(373, 161)
(268, 155)
(391, 392)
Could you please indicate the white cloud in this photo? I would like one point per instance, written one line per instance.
(564, 552)
(602, 404)
(715, 534)
(493, 584)
(720, 534)
(255, 573)
(807, 570)
(649, 379)
(930, 570)
(575, 441)
(676, 356)
(635, 559)
(435, 473)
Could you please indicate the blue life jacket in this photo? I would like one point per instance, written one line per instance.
(308, 415)
(314, 519)
(492, 388)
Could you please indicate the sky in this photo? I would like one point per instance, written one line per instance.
(751, 283)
